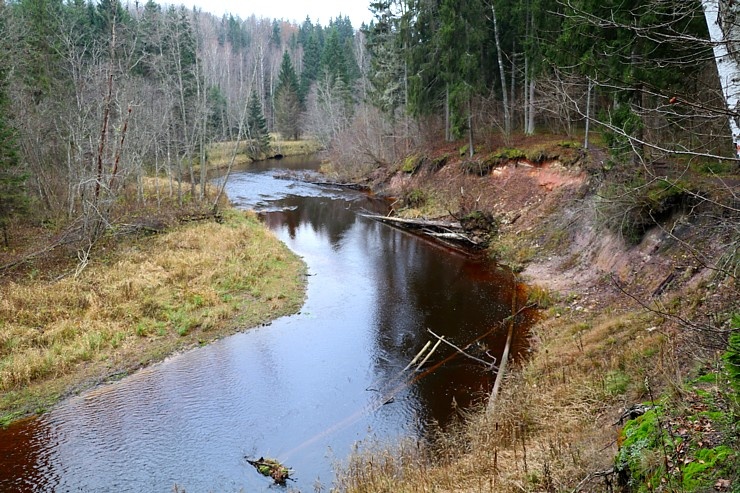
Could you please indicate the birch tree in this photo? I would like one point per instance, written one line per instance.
(724, 34)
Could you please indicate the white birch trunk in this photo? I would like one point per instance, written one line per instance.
(504, 92)
(728, 68)
(530, 114)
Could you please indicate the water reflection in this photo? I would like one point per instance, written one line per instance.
(303, 389)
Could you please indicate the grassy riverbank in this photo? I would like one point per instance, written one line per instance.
(136, 302)
(220, 154)
(631, 322)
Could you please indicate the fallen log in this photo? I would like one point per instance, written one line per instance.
(353, 186)
(443, 230)
(415, 223)
(271, 468)
(314, 179)
(453, 236)
(504, 357)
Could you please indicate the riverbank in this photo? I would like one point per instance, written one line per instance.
(630, 321)
(220, 154)
(139, 299)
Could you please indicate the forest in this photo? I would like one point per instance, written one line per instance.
(112, 115)
(97, 95)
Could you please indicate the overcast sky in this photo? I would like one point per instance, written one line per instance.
(290, 10)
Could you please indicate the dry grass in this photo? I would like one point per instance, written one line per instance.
(142, 301)
(552, 424)
(220, 153)
(295, 147)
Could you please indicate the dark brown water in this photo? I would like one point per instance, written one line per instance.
(305, 389)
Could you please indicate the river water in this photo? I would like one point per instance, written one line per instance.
(305, 389)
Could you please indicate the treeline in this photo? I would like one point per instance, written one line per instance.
(644, 70)
(98, 94)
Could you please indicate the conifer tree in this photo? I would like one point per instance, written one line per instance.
(257, 134)
(461, 44)
(311, 64)
(388, 42)
(287, 101)
(12, 193)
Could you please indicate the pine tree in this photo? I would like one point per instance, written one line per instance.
(259, 137)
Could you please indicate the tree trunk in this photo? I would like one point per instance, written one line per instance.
(721, 34)
(448, 134)
(471, 147)
(588, 112)
(530, 113)
(502, 73)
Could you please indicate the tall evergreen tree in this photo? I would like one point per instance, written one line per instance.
(311, 64)
(462, 35)
(637, 52)
(12, 193)
(287, 100)
(388, 43)
(41, 38)
(333, 58)
(257, 134)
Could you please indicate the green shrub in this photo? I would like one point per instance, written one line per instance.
(538, 155)
(630, 123)
(617, 382)
(639, 437)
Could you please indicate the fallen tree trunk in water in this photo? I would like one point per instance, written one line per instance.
(445, 230)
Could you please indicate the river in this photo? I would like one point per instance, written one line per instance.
(305, 389)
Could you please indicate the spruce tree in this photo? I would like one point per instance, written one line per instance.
(461, 46)
(311, 64)
(287, 101)
(12, 193)
(257, 134)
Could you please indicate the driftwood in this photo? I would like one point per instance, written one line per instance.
(272, 468)
(415, 223)
(317, 179)
(504, 357)
(490, 365)
(353, 186)
(445, 230)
